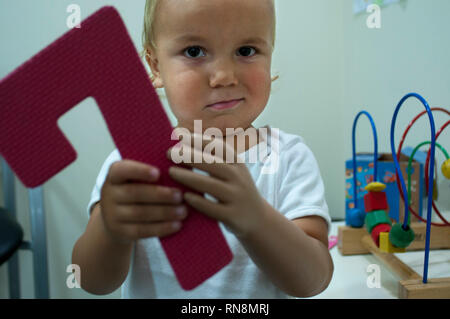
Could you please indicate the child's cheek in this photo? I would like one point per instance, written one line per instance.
(258, 83)
(185, 91)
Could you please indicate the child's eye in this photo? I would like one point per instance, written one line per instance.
(247, 51)
(194, 52)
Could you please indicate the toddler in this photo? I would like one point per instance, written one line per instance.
(213, 60)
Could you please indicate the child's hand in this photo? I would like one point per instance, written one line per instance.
(132, 208)
(240, 206)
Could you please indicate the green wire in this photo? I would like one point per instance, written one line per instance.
(410, 164)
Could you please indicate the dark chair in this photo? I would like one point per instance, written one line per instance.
(11, 235)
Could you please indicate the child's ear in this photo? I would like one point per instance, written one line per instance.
(153, 63)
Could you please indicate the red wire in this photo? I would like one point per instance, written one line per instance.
(426, 173)
(398, 158)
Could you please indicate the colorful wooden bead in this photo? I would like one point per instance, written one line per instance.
(375, 187)
(375, 201)
(375, 218)
(386, 246)
(381, 228)
(355, 218)
(401, 237)
(446, 168)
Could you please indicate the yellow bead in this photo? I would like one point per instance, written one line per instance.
(375, 187)
(386, 245)
(446, 168)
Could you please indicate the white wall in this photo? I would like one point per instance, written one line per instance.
(307, 99)
(330, 65)
(410, 53)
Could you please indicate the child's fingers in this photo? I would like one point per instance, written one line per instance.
(207, 207)
(216, 147)
(215, 166)
(142, 230)
(129, 170)
(204, 184)
(151, 213)
(138, 193)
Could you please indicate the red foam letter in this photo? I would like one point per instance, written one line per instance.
(100, 61)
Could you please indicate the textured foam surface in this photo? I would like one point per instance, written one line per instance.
(99, 60)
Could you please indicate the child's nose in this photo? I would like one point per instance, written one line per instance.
(223, 74)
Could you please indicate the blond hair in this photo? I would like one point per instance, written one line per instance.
(148, 37)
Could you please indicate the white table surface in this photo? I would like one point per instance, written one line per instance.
(351, 274)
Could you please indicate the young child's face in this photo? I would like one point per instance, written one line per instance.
(210, 51)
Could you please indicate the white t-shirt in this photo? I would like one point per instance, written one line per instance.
(286, 175)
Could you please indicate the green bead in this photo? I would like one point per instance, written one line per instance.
(400, 237)
(375, 218)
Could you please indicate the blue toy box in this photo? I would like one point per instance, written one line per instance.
(386, 175)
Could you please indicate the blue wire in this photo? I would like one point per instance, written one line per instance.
(431, 174)
(375, 152)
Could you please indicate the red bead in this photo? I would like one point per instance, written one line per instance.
(375, 201)
(385, 228)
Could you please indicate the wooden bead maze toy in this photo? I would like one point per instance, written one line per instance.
(380, 236)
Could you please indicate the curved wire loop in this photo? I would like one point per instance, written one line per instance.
(431, 174)
(375, 152)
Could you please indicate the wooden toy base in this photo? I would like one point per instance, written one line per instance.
(349, 239)
(437, 288)
(353, 241)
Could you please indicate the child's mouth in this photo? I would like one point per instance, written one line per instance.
(225, 105)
